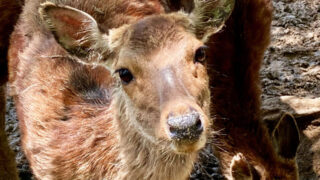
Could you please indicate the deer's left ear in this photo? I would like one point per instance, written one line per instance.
(286, 137)
(207, 16)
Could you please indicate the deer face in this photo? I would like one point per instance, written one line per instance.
(161, 69)
(159, 64)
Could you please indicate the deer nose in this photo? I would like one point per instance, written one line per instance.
(187, 127)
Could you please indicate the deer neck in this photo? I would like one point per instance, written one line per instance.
(141, 157)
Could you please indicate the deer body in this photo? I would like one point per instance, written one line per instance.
(110, 89)
(235, 57)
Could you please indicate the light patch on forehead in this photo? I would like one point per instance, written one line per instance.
(160, 58)
(167, 74)
(170, 54)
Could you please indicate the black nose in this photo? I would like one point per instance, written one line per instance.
(185, 127)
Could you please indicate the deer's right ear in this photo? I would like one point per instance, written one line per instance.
(75, 30)
(286, 136)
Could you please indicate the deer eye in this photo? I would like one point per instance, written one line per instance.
(125, 75)
(200, 55)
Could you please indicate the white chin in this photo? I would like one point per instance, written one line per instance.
(188, 148)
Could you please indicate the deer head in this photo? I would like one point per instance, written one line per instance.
(159, 63)
(285, 137)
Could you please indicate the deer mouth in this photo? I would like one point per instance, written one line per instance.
(188, 146)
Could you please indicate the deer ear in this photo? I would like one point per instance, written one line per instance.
(286, 137)
(240, 168)
(207, 16)
(75, 30)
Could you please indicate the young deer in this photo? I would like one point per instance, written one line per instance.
(234, 60)
(113, 89)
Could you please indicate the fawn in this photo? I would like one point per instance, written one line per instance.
(113, 89)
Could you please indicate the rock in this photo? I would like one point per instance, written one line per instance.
(299, 107)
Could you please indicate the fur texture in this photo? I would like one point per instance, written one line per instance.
(80, 121)
(235, 57)
(79, 117)
(10, 10)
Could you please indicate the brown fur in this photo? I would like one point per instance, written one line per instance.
(78, 120)
(10, 10)
(240, 169)
(236, 55)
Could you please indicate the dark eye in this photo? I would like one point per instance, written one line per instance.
(200, 55)
(125, 75)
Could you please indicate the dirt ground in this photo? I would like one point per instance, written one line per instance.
(290, 80)
(290, 76)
